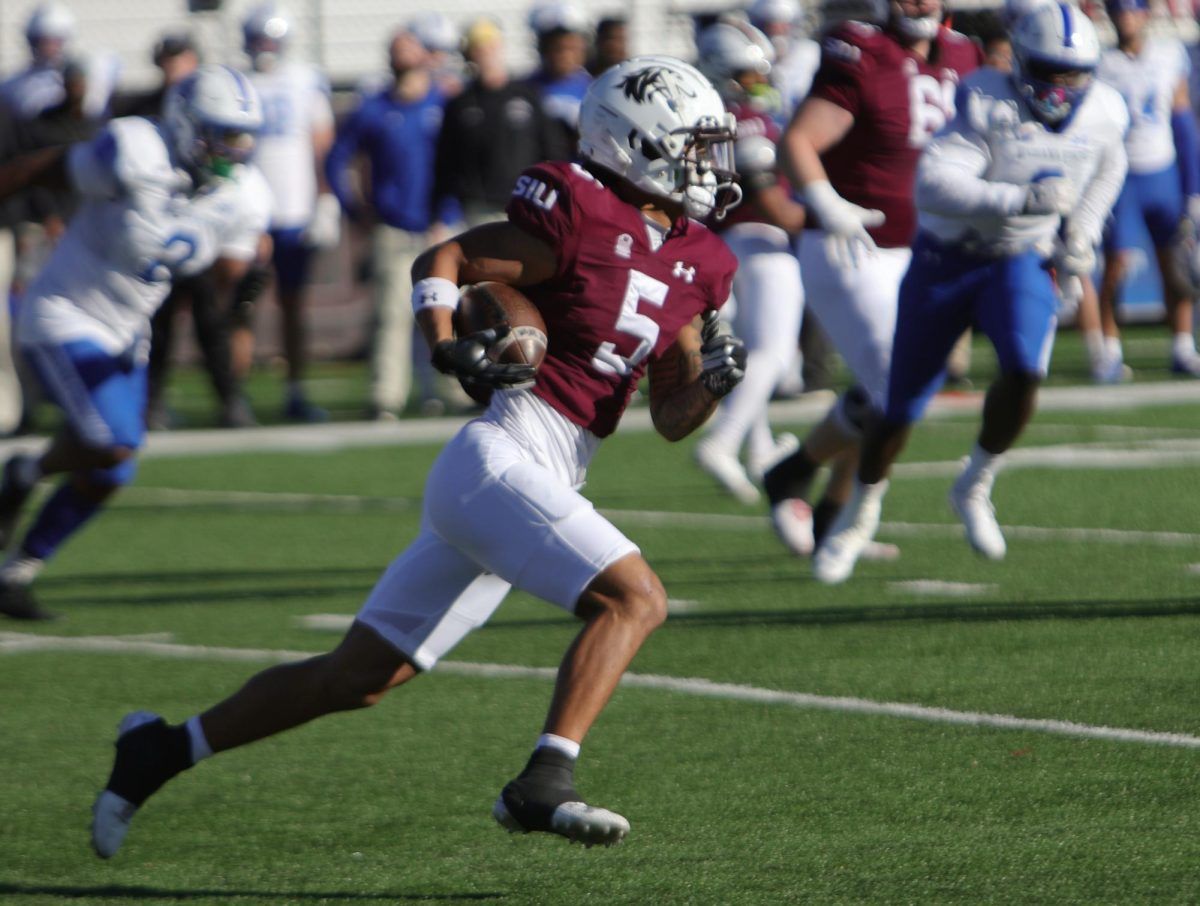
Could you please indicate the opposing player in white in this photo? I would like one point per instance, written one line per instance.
(296, 136)
(1027, 171)
(157, 202)
(1162, 189)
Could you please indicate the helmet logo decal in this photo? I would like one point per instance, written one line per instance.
(643, 85)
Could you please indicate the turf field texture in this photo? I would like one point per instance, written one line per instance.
(1047, 751)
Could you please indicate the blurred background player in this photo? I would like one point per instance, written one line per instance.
(561, 30)
(656, 142)
(1032, 163)
(797, 56)
(881, 93)
(492, 131)
(736, 57)
(156, 202)
(395, 131)
(295, 139)
(1163, 185)
(176, 57)
(50, 34)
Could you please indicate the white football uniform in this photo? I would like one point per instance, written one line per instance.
(295, 102)
(973, 178)
(141, 222)
(1147, 83)
(501, 500)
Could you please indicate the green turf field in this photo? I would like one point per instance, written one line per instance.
(732, 799)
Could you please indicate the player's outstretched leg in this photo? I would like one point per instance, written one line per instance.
(850, 534)
(20, 476)
(971, 499)
(622, 606)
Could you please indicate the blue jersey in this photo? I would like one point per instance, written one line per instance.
(399, 138)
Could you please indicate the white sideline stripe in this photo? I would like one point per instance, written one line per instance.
(12, 642)
(942, 588)
(408, 432)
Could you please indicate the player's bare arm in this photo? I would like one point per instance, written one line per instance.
(817, 126)
(777, 208)
(689, 379)
(494, 251)
(679, 403)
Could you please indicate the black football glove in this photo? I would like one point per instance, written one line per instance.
(723, 357)
(466, 358)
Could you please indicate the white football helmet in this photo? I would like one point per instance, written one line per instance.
(656, 122)
(265, 32)
(211, 118)
(1055, 53)
(730, 47)
(558, 15)
(49, 23)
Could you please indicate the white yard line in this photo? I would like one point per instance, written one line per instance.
(16, 643)
(352, 435)
(941, 588)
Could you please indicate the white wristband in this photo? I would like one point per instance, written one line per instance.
(434, 292)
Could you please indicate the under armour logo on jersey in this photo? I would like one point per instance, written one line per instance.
(624, 246)
(686, 274)
(536, 191)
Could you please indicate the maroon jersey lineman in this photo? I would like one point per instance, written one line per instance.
(623, 289)
(899, 101)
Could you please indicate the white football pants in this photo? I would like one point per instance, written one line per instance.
(770, 305)
(856, 306)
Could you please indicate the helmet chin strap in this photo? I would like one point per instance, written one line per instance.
(923, 28)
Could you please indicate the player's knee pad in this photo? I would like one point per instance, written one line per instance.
(854, 410)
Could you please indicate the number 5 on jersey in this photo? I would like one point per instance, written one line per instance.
(641, 287)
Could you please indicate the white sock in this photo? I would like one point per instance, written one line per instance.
(568, 747)
(20, 568)
(200, 747)
(980, 462)
(1093, 341)
(1112, 349)
(1183, 345)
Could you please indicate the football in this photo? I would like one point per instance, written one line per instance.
(490, 304)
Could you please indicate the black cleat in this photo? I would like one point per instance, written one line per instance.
(13, 495)
(19, 602)
(544, 799)
(149, 753)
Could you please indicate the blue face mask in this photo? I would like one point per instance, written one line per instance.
(1050, 102)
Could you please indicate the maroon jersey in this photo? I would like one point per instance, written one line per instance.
(898, 101)
(620, 294)
(751, 122)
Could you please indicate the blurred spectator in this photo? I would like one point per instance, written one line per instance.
(396, 132)
(987, 28)
(440, 38)
(176, 57)
(561, 29)
(611, 45)
(296, 136)
(492, 131)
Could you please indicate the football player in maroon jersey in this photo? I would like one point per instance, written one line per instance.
(628, 280)
(882, 91)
